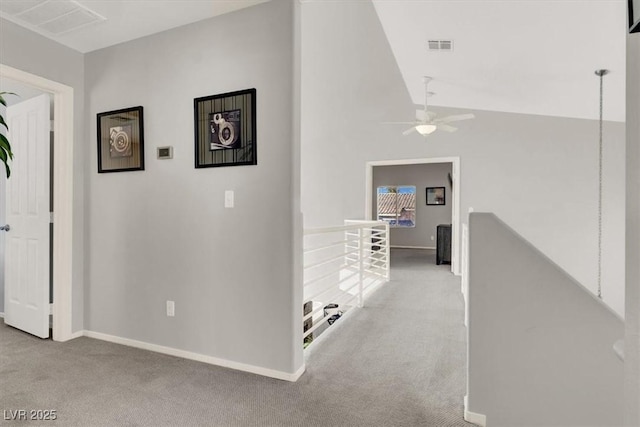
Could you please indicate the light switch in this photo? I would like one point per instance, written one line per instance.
(171, 308)
(228, 199)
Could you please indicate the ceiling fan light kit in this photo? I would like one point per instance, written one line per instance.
(426, 129)
(427, 122)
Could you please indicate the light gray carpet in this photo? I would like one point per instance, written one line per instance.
(398, 362)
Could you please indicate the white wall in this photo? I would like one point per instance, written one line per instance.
(537, 173)
(632, 333)
(163, 233)
(427, 217)
(30, 52)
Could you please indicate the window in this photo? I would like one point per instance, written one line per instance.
(397, 205)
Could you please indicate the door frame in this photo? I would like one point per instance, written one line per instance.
(62, 195)
(455, 211)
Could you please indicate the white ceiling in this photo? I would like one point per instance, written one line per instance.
(534, 57)
(522, 56)
(131, 19)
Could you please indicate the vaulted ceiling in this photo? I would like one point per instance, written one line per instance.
(525, 56)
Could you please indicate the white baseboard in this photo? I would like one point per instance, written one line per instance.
(412, 247)
(2, 315)
(198, 357)
(472, 417)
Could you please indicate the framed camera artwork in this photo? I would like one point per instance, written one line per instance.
(121, 140)
(225, 129)
(435, 196)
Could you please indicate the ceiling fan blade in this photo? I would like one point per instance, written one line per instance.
(447, 128)
(408, 131)
(456, 118)
(399, 123)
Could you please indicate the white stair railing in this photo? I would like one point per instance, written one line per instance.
(342, 266)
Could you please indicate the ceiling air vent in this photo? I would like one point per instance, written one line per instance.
(53, 16)
(441, 45)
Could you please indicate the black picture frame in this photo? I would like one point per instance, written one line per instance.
(121, 140)
(436, 196)
(634, 16)
(225, 129)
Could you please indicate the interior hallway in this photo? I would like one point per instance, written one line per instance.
(400, 361)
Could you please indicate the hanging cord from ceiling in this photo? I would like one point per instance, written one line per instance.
(600, 74)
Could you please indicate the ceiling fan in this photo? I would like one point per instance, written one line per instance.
(427, 121)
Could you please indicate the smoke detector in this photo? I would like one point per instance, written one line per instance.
(54, 17)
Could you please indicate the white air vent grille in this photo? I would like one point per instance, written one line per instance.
(46, 12)
(441, 45)
(76, 19)
(53, 16)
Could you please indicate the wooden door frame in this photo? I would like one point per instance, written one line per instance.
(63, 129)
(455, 211)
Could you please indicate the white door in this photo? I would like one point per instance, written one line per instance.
(26, 274)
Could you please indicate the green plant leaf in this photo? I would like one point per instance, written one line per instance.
(4, 144)
(3, 157)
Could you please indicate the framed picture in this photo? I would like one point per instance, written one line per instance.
(435, 196)
(634, 16)
(225, 129)
(121, 140)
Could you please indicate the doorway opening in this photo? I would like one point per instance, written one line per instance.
(62, 193)
(436, 201)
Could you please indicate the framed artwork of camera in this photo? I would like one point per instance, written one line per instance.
(435, 196)
(121, 140)
(225, 129)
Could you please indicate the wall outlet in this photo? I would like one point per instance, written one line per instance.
(171, 308)
(432, 238)
(228, 199)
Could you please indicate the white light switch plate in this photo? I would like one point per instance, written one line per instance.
(171, 308)
(228, 199)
